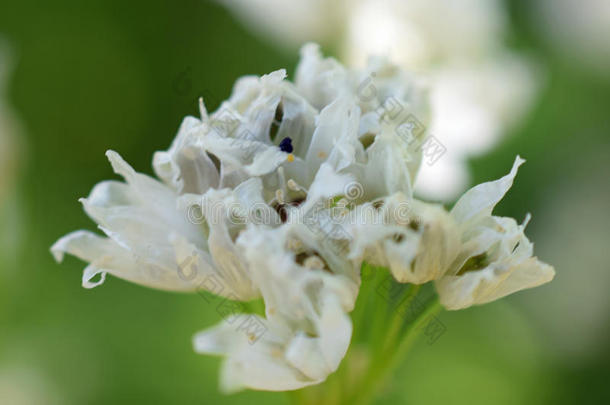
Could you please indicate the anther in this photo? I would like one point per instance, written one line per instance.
(279, 196)
(202, 110)
(286, 145)
(313, 262)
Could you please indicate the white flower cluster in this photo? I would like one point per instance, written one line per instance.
(578, 29)
(330, 161)
(479, 88)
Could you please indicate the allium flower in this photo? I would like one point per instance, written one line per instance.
(479, 88)
(280, 198)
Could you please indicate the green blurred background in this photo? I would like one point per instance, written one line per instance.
(97, 75)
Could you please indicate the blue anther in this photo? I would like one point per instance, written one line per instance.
(286, 145)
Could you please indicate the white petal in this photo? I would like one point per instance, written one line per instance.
(106, 256)
(186, 166)
(506, 254)
(317, 357)
(320, 80)
(387, 171)
(492, 283)
(481, 199)
(308, 306)
(327, 184)
(256, 364)
(89, 274)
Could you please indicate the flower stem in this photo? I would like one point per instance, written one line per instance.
(384, 364)
(433, 308)
(397, 320)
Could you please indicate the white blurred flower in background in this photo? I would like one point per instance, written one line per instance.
(478, 87)
(23, 384)
(578, 29)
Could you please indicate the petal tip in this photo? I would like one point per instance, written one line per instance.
(58, 251)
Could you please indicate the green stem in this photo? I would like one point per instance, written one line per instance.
(397, 320)
(407, 342)
(385, 364)
(359, 312)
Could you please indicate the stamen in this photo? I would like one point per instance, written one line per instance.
(313, 262)
(342, 203)
(282, 179)
(294, 186)
(279, 196)
(286, 145)
(202, 110)
(290, 158)
(294, 244)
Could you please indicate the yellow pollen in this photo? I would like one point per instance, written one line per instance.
(290, 157)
